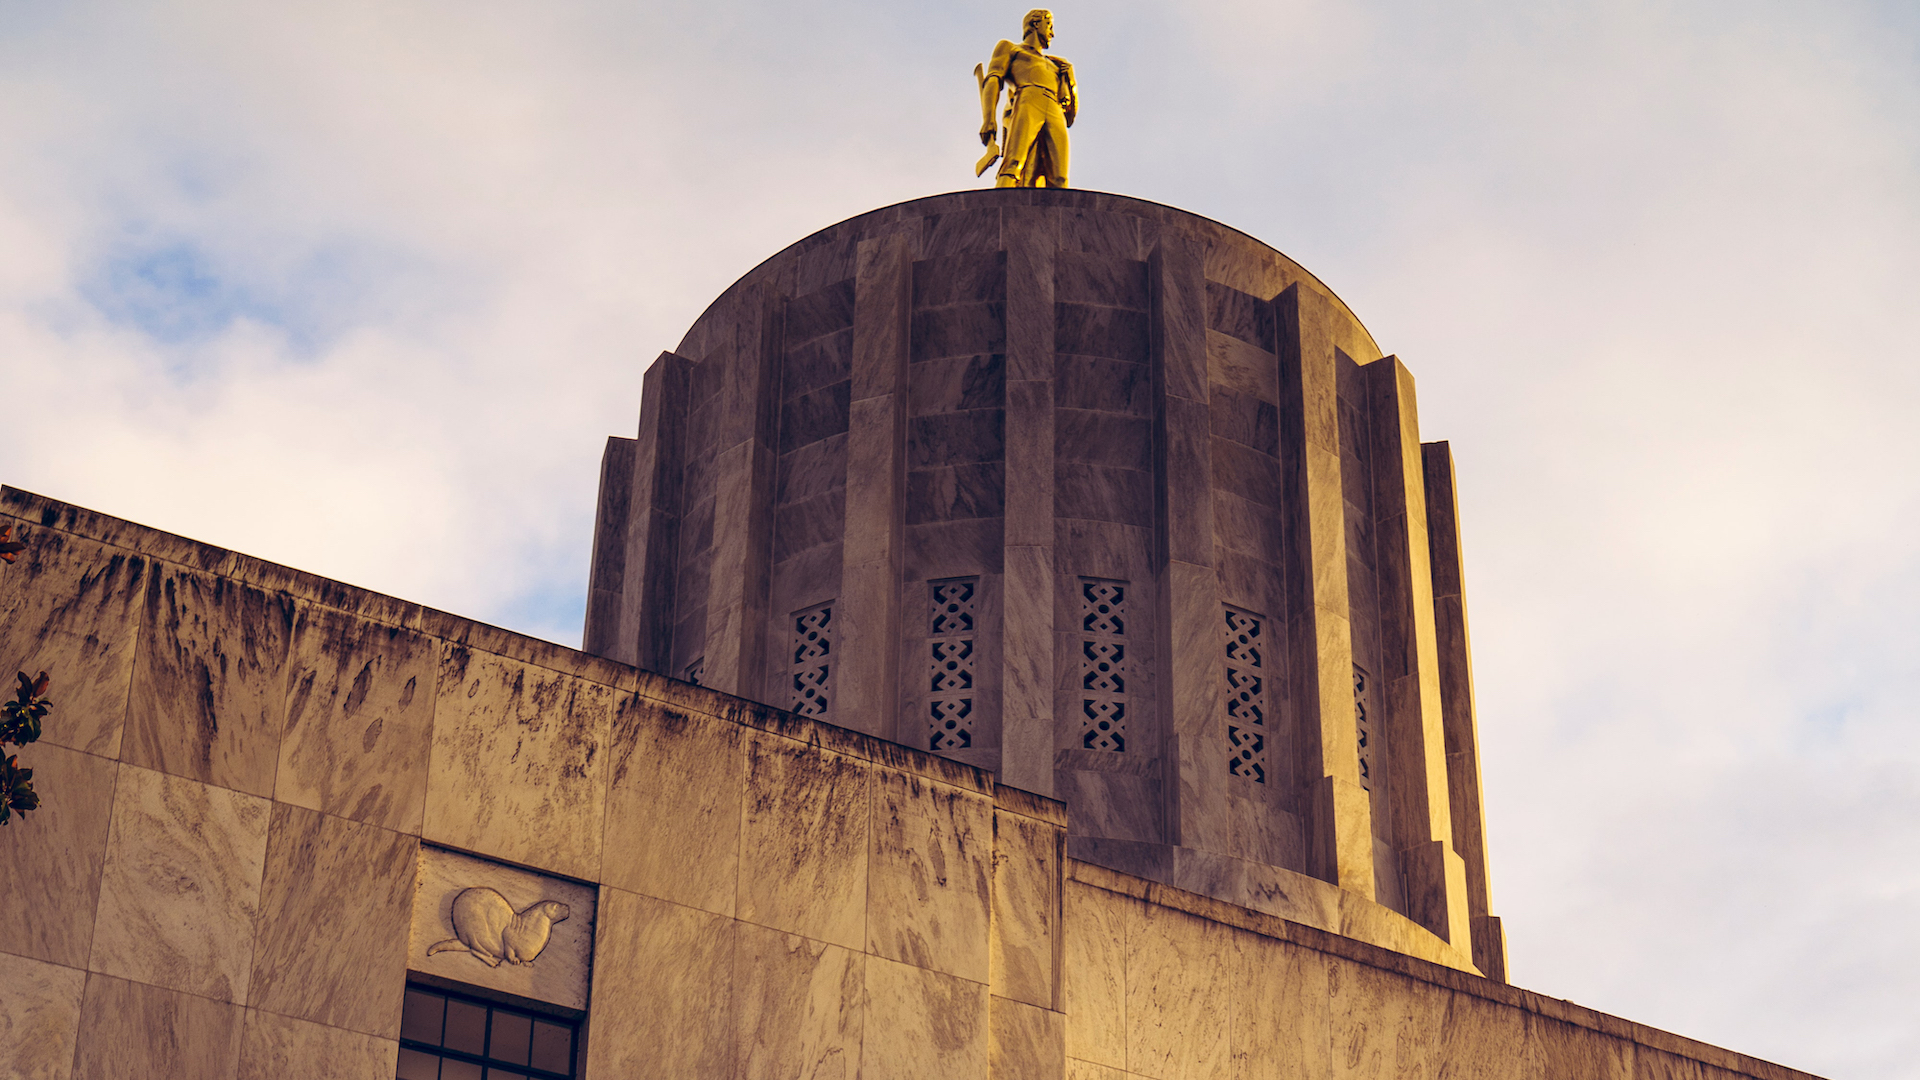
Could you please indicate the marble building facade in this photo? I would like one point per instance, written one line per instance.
(1111, 719)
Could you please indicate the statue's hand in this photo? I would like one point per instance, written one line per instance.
(987, 131)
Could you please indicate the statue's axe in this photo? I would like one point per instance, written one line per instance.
(993, 148)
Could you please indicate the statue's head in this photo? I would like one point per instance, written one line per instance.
(1039, 22)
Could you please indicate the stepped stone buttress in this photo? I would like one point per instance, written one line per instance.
(1102, 496)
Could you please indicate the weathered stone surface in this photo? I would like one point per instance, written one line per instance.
(51, 910)
(799, 1007)
(803, 841)
(1026, 905)
(209, 680)
(1025, 1042)
(1177, 1013)
(1279, 1003)
(557, 972)
(359, 719)
(674, 806)
(70, 607)
(928, 880)
(274, 1047)
(1095, 923)
(39, 1018)
(181, 885)
(130, 1029)
(519, 768)
(922, 1024)
(662, 991)
(333, 915)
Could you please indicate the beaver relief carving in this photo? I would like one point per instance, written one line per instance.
(485, 924)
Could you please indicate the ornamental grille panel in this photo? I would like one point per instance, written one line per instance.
(812, 660)
(950, 653)
(694, 671)
(1103, 665)
(1246, 696)
(1363, 723)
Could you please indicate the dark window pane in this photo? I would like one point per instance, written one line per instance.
(415, 1065)
(552, 1047)
(510, 1035)
(458, 1070)
(466, 1028)
(421, 1019)
(505, 1074)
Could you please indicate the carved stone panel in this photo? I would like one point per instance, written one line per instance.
(512, 930)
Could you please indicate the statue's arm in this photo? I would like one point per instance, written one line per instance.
(1070, 90)
(990, 90)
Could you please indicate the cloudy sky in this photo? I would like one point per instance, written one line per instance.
(361, 287)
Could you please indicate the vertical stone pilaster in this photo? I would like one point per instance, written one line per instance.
(1027, 734)
(607, 577)
(1456, 705)
(1188, 656)
(1337, 809)
(743, 503)
(642, 612)
(867, 680)
(1433, 877)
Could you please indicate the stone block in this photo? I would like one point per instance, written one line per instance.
(70, 607)
(1084, 278)
(1025, 1042)
(818, 363)
(50, 912)
(559, 940)
(956, 493)
(959, 330)
(1095, 330)
(929, 895)
(803, 841)
(518, 770)
(1032, 237)
(960, 279)
(274, 1047)
(209, 680)
(820, 312)
(1094, 382)
(39, 1017)
(922, 1025)
(1246, 472)
(954, 549)
(956, 438)
(334, 909)
(1026, 908)
(673, 808)
(1094, 978)
(1235, 366)
(799, 1010)
(1245, 420)
(957, 383)
(663, 1001)
(130, 1029)
(1113, 805)
(1103, 438)
(1087, 1070)
(1279, 1003)
(1490, 1040)
(1240, 315)
(359, 720)
(1177, 1015)
(1100, 232)
(963, 231)
(1571, 1052)
(809, 524)
(814, 469)
(181, 886)
(815, 415)
(1100, 493)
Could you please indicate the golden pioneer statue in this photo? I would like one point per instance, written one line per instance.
(1041, 103)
